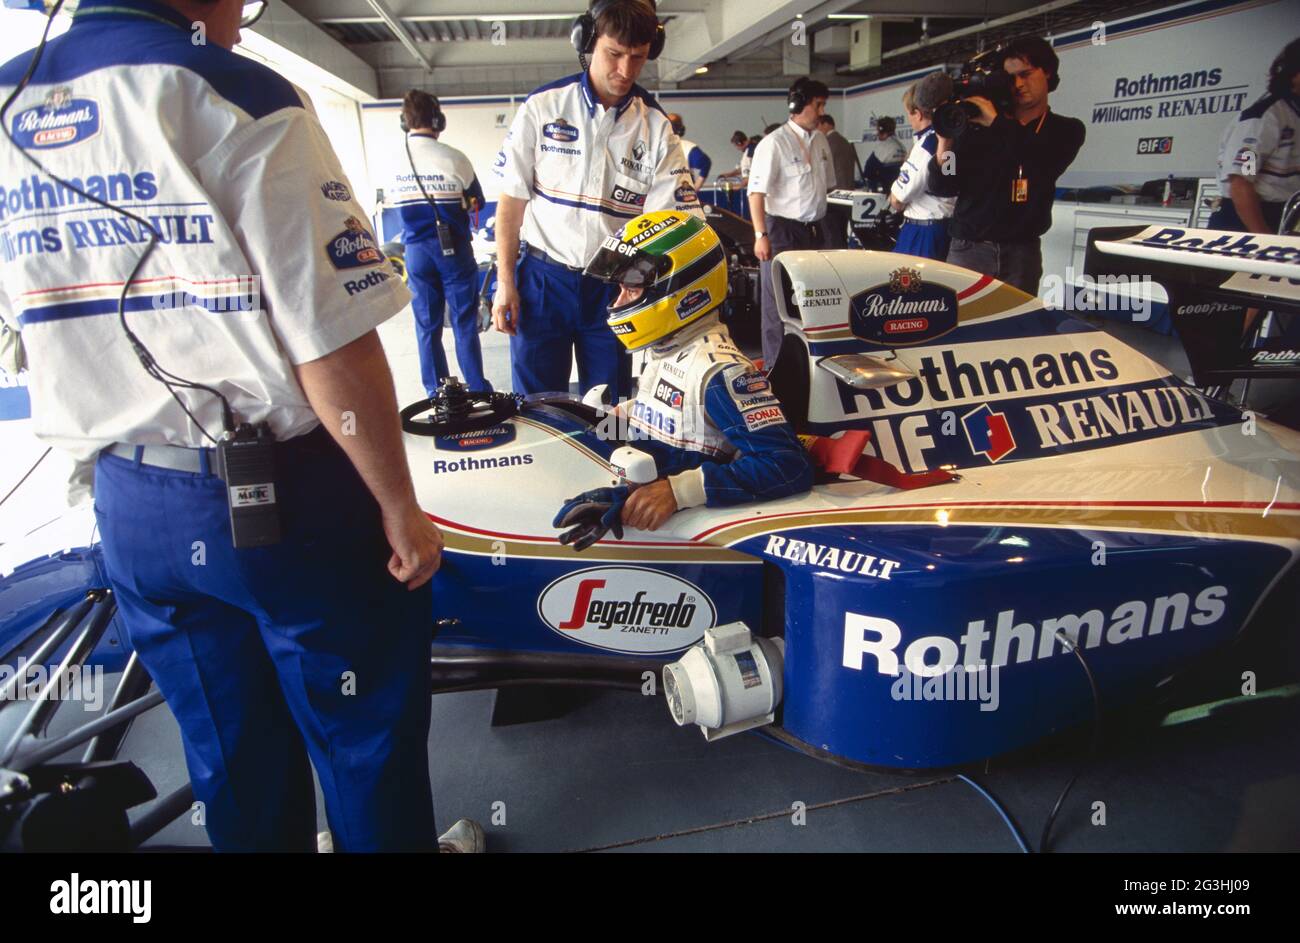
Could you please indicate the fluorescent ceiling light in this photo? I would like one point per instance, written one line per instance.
(701, 70)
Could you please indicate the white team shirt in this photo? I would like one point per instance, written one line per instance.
(446, 173)
(909, 187)
(264, 261)
(586, 170)
(793, 168)
(1261, 145)
(888, 151)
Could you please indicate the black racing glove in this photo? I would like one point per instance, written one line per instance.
(591, 515)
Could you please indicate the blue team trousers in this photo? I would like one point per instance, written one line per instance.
(273, 655)
(562, 312)
(445, 284)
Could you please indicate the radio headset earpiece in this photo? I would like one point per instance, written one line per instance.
(583, 33)
(401, 119)
(797, 98)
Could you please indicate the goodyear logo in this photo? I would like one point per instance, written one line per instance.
(61, 121)
(560, 130)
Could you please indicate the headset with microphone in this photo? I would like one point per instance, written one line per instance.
(583, 34)
(798, 98)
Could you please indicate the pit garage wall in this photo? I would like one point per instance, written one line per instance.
(1237, 38)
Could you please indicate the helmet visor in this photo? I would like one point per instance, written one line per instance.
(618, 263)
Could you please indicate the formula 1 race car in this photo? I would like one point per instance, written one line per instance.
(1019, 520)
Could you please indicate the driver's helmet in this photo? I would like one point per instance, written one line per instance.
(679, 262)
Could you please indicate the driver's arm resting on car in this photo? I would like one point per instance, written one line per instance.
(770, 462)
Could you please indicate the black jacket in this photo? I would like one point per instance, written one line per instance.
(986, 161)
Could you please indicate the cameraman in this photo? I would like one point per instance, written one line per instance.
(1003, 170)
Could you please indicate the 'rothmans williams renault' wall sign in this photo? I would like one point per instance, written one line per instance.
(906, 311)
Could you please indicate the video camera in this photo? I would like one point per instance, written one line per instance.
(982, 76)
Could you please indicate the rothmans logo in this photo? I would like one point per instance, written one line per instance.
(59, 121)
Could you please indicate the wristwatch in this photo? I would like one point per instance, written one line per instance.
(759, 234)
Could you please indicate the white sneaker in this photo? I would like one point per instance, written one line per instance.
(465, 837)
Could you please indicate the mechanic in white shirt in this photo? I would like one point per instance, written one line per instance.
(1259, 156)
(443, 278)
(584, 155)
(740, 141)
(257, 304)
(788, 180)
(699, 162)
(925, 217)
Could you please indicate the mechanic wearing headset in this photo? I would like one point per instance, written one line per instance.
(432, 208)
(262, 292)
(788, 179)
(584, 155)
(706, 414)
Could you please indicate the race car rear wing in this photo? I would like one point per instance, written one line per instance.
(1212, 278)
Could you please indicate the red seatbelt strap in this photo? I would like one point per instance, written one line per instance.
(844, 456)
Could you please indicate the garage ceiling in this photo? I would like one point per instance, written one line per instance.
(514, 45)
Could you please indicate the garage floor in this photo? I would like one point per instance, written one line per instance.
(615, 773)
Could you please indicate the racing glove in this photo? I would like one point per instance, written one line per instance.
(591, 515)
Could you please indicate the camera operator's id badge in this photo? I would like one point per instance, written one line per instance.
(1020, 188)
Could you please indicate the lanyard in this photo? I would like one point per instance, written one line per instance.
(1020, 186)
(807, 153)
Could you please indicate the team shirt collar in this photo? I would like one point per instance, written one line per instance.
(92, 11)
(589, 96)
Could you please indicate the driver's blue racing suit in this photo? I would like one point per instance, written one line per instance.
(712, 423)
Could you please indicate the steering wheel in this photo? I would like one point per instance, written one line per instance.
(455, 410)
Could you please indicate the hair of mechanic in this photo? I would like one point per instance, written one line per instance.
(739, 138)
(627, 22)
(679, 126)
(769, 129)
(1284, 68)
(886, 124)
(928, 93)
(827, 120)
(1039, 53)
(420, 109)
(803, 91)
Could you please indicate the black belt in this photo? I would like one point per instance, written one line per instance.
(543, 257)
(810, 226)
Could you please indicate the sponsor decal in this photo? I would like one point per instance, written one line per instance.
(353, 247)
(1164, 145)
(673, 370)
(1210, 242)
(669, 395)
(336, 190)
(692, 302)
(904, 280)
(989, 433)
(825, 557)
(906, 311)
(1244, 156)
(623, 195)
(952, 375)
(686, 194)
(61, 120)
(1208, 307)
(651, 229)
(638, 150)
(763, 417)
(560, 130)
(442, 466)
(646, 416)
(752, 402)
(750, 382)
(1151, 96)
(558, 149)
(243, 496)
(932, 655)
(500, 160)
(478, 439)
(370, 281)
(624, 327)
(820, 297)
(627, 609)
(1275, 356)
